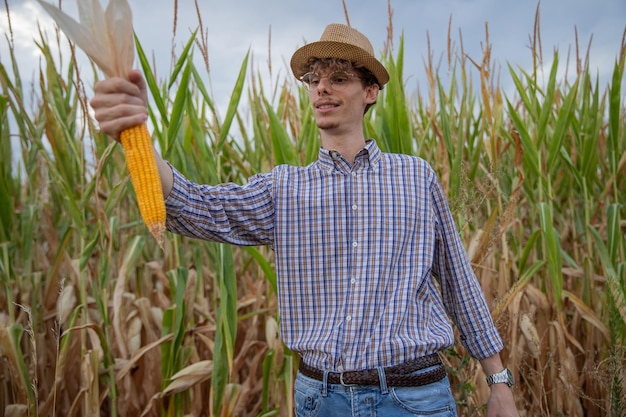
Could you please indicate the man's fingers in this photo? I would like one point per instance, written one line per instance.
(120, 104)
(116, 85)
(112, 105)
(113, 120)
(120, 111)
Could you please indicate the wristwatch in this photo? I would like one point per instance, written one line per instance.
(503, 377)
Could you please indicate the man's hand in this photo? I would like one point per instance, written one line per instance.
(120, 103)
(501, 402)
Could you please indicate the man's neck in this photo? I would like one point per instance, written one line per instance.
(348, 145)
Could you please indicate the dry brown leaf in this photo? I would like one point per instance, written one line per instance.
(149, 320)
(89, 383)
(208, 342)
(474, 243)
(537, 298)
(11, 360)
(132, 361)
(133, 335)
(504, 301)
(588, 314)
(66, 303)
(16, 410)
(118, 314)
(189, 376)
(271, 333)
(247, 301)
(530, 333)
(5, 320)
(96, 344)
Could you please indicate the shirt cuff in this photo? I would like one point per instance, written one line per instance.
(483, 345)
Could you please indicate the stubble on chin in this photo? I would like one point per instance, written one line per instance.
(326, 124)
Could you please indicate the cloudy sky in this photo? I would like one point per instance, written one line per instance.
(235, 26)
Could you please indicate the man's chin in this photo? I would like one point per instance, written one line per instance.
(326, 125)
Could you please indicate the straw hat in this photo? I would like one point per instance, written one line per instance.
(343, 42)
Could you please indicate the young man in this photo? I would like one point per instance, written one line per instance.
(369, 263)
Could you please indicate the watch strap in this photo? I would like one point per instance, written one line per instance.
(503, 377)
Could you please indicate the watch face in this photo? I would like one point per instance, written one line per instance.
(509, 378)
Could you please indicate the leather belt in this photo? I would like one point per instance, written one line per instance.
(396, 376)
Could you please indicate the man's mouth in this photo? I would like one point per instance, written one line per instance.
(326, 106)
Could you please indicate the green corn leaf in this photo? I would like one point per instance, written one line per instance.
(88, 250)
(177, 112)
(552, 251)
(615, 236)
(7, 216)
(529, 247)
(530, 155)
(563, 122)
(282, 145)
(204, 160)
(233, 104)
(226, 325)
(395, 133)
(546, 109)
(614, 283)
(589, 135)
(266, 266)
(204, 94)
(522, 90)
(615, 116)
(268, 368)
(184, 61)
(151, 81)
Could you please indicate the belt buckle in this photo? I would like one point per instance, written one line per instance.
(343, 383)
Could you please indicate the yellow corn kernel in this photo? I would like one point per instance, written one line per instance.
(145, 177)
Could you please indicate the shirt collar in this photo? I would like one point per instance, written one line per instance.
(370, 155)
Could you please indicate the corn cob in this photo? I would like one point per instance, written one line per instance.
(145, 178)
(106, 36)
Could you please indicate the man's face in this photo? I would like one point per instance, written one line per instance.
(339, 98)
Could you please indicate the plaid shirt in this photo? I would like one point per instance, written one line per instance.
(368, 259)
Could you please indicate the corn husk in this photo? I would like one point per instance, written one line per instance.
(106, 36)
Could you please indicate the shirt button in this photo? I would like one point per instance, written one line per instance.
(354, 174)
(353, 281)
(355, 244)
(354, 207)
(348, 318)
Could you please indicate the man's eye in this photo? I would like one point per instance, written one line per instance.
(340, 79)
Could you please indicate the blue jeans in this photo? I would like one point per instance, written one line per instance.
(316, 398)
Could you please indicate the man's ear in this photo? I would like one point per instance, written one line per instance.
(371, 93)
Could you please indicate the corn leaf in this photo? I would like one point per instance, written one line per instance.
(226, 326)
(282, 145)
(235, 98)
(552, 251)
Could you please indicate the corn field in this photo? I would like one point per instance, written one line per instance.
(97, 319)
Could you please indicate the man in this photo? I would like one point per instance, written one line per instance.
(369, 262)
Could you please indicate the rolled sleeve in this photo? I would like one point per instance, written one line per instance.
(226, 213)
(175, 201)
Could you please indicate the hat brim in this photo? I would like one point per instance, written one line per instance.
(340, 50)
